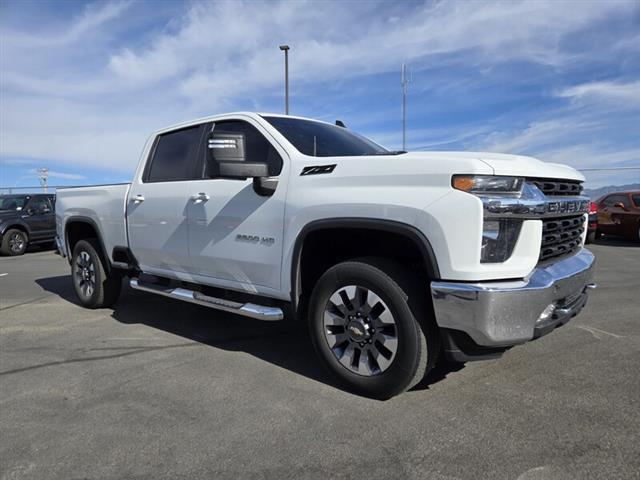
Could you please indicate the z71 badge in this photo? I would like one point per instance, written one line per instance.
(317, 169)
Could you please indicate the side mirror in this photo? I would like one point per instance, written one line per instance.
(620, 205)
(30, 211)
(227, 157)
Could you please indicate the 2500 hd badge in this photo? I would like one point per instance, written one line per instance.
(255, 239)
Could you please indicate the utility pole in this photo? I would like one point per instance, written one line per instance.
(43, 174)
(285, 49)
(405, 86)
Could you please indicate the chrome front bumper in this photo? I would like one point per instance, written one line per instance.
(505, 313)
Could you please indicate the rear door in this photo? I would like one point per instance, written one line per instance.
(235, 229)
(158, 201)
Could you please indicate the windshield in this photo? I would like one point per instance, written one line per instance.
(13, 202)
(318, 139)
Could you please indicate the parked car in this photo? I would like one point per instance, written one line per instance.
(592, 223)
(26, 220)
(619, 214)
(393, 258)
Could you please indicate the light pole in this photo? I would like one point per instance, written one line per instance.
(285, 49)
(43, 175)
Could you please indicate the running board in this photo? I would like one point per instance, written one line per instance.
(259, 312)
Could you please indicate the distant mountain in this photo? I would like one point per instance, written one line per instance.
(596, 193)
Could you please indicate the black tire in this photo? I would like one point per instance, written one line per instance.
(94, 287)
(14, 242)
(591, 237)
(417, 336)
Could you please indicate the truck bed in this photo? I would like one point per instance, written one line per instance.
(105, 205)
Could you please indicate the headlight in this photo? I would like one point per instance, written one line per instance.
(498, 240)
(486, 184)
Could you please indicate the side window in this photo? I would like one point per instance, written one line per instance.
(40, 205)
(613, 199)
(257, 147)
(175, 155)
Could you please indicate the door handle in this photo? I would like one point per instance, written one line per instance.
(138, 199)
(200, 197)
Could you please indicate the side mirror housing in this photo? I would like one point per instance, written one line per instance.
(227, 157)
(243, 170)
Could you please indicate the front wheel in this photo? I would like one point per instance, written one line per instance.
(94, 286)
(371, 326)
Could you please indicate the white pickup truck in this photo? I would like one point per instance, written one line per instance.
(392, 258)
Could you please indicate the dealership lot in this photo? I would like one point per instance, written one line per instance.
(161, 389)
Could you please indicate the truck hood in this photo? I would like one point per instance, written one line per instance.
(505, 164)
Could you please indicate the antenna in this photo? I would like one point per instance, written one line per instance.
(406, 78)
(43, 174)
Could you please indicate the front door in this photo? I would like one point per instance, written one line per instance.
(610, 213)
(158, 203)
(235, 233)
(41, 218)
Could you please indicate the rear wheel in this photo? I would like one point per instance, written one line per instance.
(94, 286)
(371, 327)
(591, 237)
(14, 242)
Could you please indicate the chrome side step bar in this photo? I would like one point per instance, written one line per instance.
(259, 312)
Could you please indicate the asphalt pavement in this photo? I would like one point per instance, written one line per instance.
(155, 388)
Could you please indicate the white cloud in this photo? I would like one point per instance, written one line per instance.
(88, 92)
(220, 52)
(622, 94)
(93, 17)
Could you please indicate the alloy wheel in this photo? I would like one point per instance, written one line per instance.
(17, 243)
(360, 330)
(85, 274)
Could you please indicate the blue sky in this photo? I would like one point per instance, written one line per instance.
(83, 84)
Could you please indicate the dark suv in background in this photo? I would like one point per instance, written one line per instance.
(25, 220)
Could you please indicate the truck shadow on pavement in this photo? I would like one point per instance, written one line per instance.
(285, 344)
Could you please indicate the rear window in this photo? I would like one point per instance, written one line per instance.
(13, 202)
(174, 157)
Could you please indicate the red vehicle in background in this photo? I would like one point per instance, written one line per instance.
(592, 227)
(619, 214)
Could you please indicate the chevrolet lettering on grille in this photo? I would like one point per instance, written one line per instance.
(568, 206)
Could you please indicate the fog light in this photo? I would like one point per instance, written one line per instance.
(546, 313)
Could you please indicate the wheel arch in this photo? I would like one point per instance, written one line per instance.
(389, 227)
(16, 226)
(78, 228)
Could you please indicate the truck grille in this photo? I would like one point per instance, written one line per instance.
(561, 236)
(552, 187)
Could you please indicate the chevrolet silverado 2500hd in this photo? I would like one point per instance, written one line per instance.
(392, 258)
